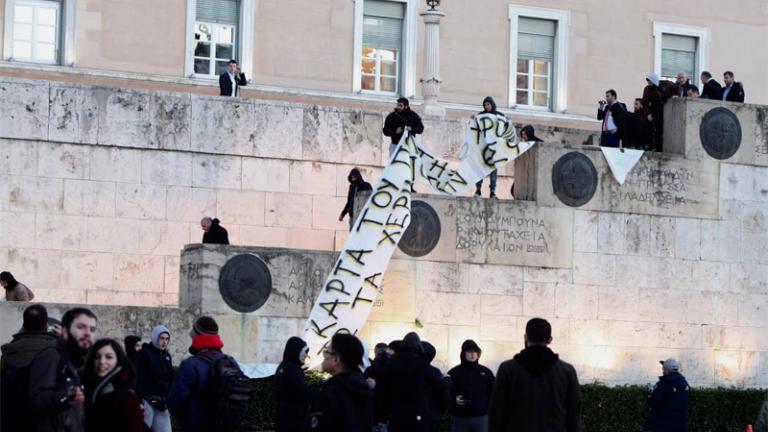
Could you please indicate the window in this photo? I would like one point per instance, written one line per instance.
(382, 46)
(35, 31)
(680, 48)
(216, 23)
(538, 58)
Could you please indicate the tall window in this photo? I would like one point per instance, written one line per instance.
(36, 31)
(678, 53)
(215, 36)
(535, 59)
(382, 48)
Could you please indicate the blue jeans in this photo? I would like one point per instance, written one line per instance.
(494, 174)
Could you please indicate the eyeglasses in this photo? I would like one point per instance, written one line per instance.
(328, 352)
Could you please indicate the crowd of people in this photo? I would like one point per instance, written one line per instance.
(643, 127)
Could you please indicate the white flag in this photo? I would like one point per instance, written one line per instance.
(621, 161)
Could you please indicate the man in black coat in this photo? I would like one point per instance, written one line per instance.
(291, 394)
(471, 389)
(154, 376)
(682, 84)
(376, 372)
(609, 137)
(345, 401)
(668, 400)
(231, 80)
(356, 184)
(635, 131)
(213, 232)
(536, 391)
(733, 91)
(399, 120)
(438, 403)
(711, 88)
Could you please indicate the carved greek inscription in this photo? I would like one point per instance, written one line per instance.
(662, 188)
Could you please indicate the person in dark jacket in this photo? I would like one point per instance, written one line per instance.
(609, 137)
(439, 402)
(711, 88)
(356, 184)
(110, 402)
(682, 84)
(733, 90)
(154, 372)
(400, 120)
(214, 233)
(536, 391)
(654, 107)
(409, 386)
(345, 401)
(527, 133)
(188, 399)
(489, 107)
(471, 389)
(668, 400)
(291, 394)
(231, 80)
(761, 424)
(132, 344)
(376, 373)
(635, 131)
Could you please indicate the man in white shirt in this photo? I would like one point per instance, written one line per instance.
(231, 80)
(609, 136)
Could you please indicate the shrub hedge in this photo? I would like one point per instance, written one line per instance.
(606, 409)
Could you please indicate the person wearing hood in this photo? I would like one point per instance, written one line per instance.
(489, 107)
(535, 390)
(409, 387)
(15, 290)
(214, 233)
(356, 184)
(154, 369)
(344, 402)
(471, 388)
(439, 402)
(291, 394)
(110, 402)
(400, 120)
(376, 373)
(653, 102)
(132, 344)
(527, 133)
(668, 400)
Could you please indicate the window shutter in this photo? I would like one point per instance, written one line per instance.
(383, 24)
(219, 11)
(536, 38)
(678, 53)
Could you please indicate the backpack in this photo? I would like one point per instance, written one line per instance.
(230, 393)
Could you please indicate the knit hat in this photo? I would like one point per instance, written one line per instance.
(653, 77)
(205, 325)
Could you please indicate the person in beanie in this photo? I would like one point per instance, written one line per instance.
(291, 394)
(668, 400)
(189, 399)
(536, 391)
(154, 369)
(400, 120)
(213, 232)
(471, 388)
(356, 184)
(345, 401)
(439, 402)
(489, 107)
(15, 290)
(132, 344)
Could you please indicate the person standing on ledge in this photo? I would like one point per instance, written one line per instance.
(489, 107)
(214, 233)
(231, 80)
(15, 290)
(733, 90)
(400, 120)
(356, 184)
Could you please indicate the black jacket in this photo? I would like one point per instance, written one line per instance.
(474, 382)
(111, 404)
(403, 119)
(376, 372)
(344, 404)
(682, 90)
(634, 130)
(51, 375)
(736, 94)
(225, 84)
(712, 90)
(669, 405)
(440, 401)
(359, 185)
(536, 391)
(154, 372)
(216, 234)
(291, 394)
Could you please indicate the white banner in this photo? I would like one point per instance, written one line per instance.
(621, 161)
(347, 296)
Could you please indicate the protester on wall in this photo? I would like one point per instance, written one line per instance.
(345, 401)
(535, 390)
(733, 90)
(154, 372)
(214, 233)
(609, 137)
(290, 391)
(110, 402)
(15, 290)
(682, 84)
(132, 344)
(440, 401)
(471, 389)
(711, 89)
(400, 120)
(356, 184)
(653, 103)
(668, 400)
(635, 131)
(527, 133)
(489, 107)
(231, 80)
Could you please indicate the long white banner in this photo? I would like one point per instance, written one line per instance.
(347, 296)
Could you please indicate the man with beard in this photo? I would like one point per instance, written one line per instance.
(400, 120)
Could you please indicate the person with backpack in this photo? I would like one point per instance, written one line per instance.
(291, 394)
(209, 391)
(110, 402)
(154, 374)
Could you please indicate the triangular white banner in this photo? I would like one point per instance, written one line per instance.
(621, 161)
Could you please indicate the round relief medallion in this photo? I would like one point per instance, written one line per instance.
(574, 179)
(720, 133)
(245, 283)
(423, 233)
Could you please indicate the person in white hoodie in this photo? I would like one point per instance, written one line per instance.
(154, 377)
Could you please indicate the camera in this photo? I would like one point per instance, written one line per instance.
(602, 102)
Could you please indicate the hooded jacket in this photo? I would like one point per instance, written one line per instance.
(216, 234)
(536, 391)
(530, 133)
(493, 107)
(154, 368)
(111, 404)
(129, 342)
(441, 400)
(402, 120)
(344, 404)
(291, 394)
(474, 382)
(669, 404)
(356, 186)
(376, 372)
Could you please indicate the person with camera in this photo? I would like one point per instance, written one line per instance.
(609, 137)
(231, 80)
(154, 373)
